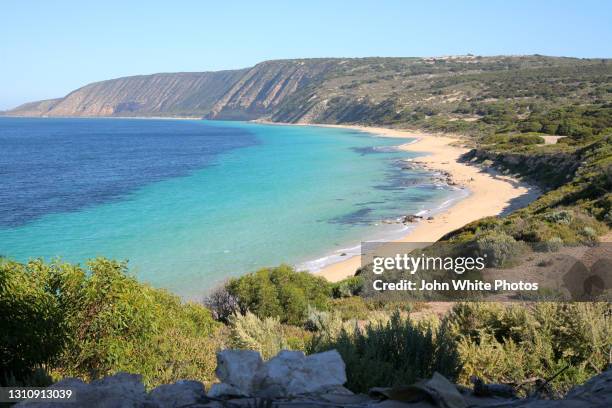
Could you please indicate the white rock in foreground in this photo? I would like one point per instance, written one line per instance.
(239, 371)
(289, 374)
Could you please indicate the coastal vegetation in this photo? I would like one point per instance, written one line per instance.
(63, 320)
(59, 319)
(281, 293)
(576, 208)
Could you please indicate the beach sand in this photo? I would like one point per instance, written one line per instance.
(490, 193)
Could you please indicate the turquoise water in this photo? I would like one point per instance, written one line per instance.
(269, 194)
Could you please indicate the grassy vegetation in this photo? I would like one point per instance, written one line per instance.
(508, 344)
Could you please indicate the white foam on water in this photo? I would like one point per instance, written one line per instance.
(342, 254)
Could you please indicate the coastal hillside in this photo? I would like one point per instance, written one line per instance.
(272, 85)
(446, 93)
(173, 94)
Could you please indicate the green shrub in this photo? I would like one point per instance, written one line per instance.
(553, 244)
(263, 335)
(514, 343)
(498, 248)
(496, 138)
(560, 217)
(396, 353)
(33, 326)
(297, 338)
(280, 292)
(590, 233)
(526, 139)
(267, 336)
(97, 321)
(530, 126)
(327, 326)
(348, 287)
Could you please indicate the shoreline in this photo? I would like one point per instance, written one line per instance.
(490, 193)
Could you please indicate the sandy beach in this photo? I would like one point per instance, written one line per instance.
(490, 193)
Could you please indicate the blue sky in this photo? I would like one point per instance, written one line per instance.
(48, 48)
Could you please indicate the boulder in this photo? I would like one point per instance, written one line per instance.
(288, 374)
(121, 390)
(223, 390)
(241, 369)
(180, 394)
(291, 373)
(596, 391)
(327, 370)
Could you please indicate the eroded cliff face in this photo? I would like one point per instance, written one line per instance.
(177, 94)
(267, 86)
(284, 90)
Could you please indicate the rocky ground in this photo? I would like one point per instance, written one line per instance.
(292, 379)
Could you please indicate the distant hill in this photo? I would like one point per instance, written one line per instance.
(175, 94)
(424, 92)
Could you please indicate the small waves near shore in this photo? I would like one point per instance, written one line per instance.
(480, 193)
(190, 203)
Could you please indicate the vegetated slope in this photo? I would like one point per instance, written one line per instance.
(433, 94)
(147, 95)
(448, 93)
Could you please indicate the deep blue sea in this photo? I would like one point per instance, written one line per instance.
(190, 203)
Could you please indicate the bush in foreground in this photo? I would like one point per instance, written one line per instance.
(396, 353)
(507, 344)
(97, 321)
(262, 335)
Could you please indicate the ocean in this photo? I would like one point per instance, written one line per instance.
(190, 203)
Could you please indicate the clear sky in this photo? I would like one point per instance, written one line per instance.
(50, 47)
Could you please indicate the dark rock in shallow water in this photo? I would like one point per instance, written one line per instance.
(407, 219)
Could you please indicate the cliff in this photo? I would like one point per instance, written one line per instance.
(380, 91)
(270, 85)
(145, 95)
